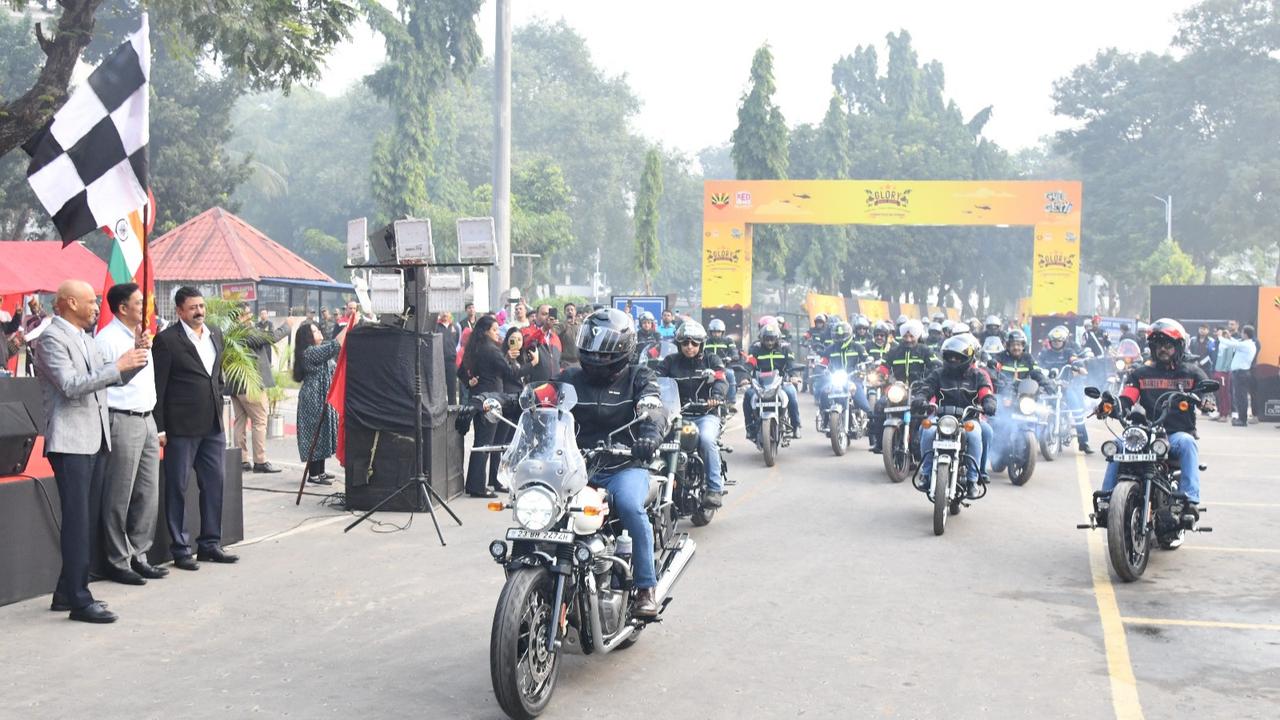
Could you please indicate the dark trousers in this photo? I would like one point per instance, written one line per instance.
(482, 468)
(315, 468)
(1240, 394)
(451, 379)
(80, 478)
(207, 454)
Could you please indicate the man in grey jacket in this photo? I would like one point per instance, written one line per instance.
(77, 434)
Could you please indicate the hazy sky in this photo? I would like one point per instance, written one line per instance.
(688, 60)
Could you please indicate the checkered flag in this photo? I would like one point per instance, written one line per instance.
(89, 164)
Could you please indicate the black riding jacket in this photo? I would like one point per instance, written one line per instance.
(1148, 383)
(908, 363)
(690, 377)
(955, 388)
(848, 354)
(877, 351)
(777, 359)
(723, 347)
(603, 408)
(1012, 369)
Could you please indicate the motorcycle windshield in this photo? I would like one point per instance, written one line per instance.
(669, 393)
(656, 351)
(1027, 386)
(545, 451)
(1129, 350)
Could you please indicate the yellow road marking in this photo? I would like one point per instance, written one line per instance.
(1219, 548)
(1124, 686)
(1201, 624)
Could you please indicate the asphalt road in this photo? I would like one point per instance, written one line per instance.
(818, 591)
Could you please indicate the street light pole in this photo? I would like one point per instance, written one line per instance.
(1168, 216)
(500, 283)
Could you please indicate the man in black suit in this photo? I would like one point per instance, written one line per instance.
(188, 415)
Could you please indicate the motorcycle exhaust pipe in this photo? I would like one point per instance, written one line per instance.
(675, 567)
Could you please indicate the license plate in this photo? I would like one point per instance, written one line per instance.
(1018, 416)
(551, 536)
(946, 445)
(900, 408)
(838, 396)
(1135, 457)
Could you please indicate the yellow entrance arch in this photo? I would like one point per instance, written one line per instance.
(732, 207)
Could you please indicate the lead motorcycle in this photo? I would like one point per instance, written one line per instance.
(771, 403)
(951, 462)
(568, 561)
(844, 421)
(1145, 507)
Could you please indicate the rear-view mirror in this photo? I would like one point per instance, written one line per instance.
(1093, 392)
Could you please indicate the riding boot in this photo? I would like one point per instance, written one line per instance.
(645, 604)
(1083, 438)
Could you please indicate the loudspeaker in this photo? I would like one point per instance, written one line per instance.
(380, 461)
(17, 438)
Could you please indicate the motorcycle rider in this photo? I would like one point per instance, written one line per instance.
(844, 353)
(820, 332)
(770, 354)
(1061, 355)
(648, 329)
(1147, 383)
(689, 368)
(994, 327)
(935, 338)
(862, 329)
(906, 361)
(952, 384)
(1015, 363)
(726, 349)
(609, 387)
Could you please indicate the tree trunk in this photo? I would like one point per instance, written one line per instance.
(23, 117)
(1209, 264)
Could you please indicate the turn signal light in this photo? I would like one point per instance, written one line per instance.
(969, 425)
(496, 506)
(593, 510)
(926, 423)
(1106, 408)
(1184, 406)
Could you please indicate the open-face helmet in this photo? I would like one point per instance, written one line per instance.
(1058, 336)
(715, 326)
(1167, 330)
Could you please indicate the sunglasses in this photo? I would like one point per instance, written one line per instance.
(686, 343)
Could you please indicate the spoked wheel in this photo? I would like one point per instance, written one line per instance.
(941, 480)
(523, 671)
(839, 438)
(1128, 542)
(897, 460)
(1024, 463)
(1051, 441)
(769, 439)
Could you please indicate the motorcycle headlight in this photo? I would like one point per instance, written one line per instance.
(1160, 447)
(1119, 364)
(1109, 449)
(948, 425)
(536, 508)
(1135, 440)
(1027, 405)
(839, 377)
(897, 393)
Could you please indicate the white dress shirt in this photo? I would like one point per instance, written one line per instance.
(1243, 352)
(139, 394)
(204, 345)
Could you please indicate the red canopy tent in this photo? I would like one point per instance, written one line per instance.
(41, 266)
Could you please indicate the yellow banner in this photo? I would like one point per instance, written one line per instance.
(892, 202)
(726, 265)
(875, 310)
(1055, 270)
(826, 304)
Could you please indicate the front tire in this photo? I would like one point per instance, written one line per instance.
(523, 672)
(702, 517)
(839, 438)
(768, 439)
(1128, 542)
(1050, 441)
(1021, 469)
(897, 461)
(941, 481)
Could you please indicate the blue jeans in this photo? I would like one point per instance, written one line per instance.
(973, 448)
(820, 392)
(1181, 446)
(988, 437)
(708, 432)
(628, 488)
(731, 378)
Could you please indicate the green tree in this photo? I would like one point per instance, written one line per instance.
(20, 214)
(428, 42)
(272, 42)
(760, 153)
(646, 216)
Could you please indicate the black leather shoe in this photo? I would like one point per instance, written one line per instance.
(1084, 448)
(186, 562)
(125, 577)
(499, 488)
(265, 467)
(94, 613)
(244, 466)
(329, 476)
(713, 499)
(218, 555)
(486, 494)
(148, 571)
(319, 480)
(646, 606)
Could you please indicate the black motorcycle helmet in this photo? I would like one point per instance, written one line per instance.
(1015, 336)
(841, 331)
(861, 326)
(770, 336)
(606, 341)
(881, 332)
(957, 354)
(1166, 330)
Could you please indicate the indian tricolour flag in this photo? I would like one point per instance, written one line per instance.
(130, 261)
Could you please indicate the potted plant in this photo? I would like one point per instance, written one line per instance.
(240, 373)
(275, 421)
